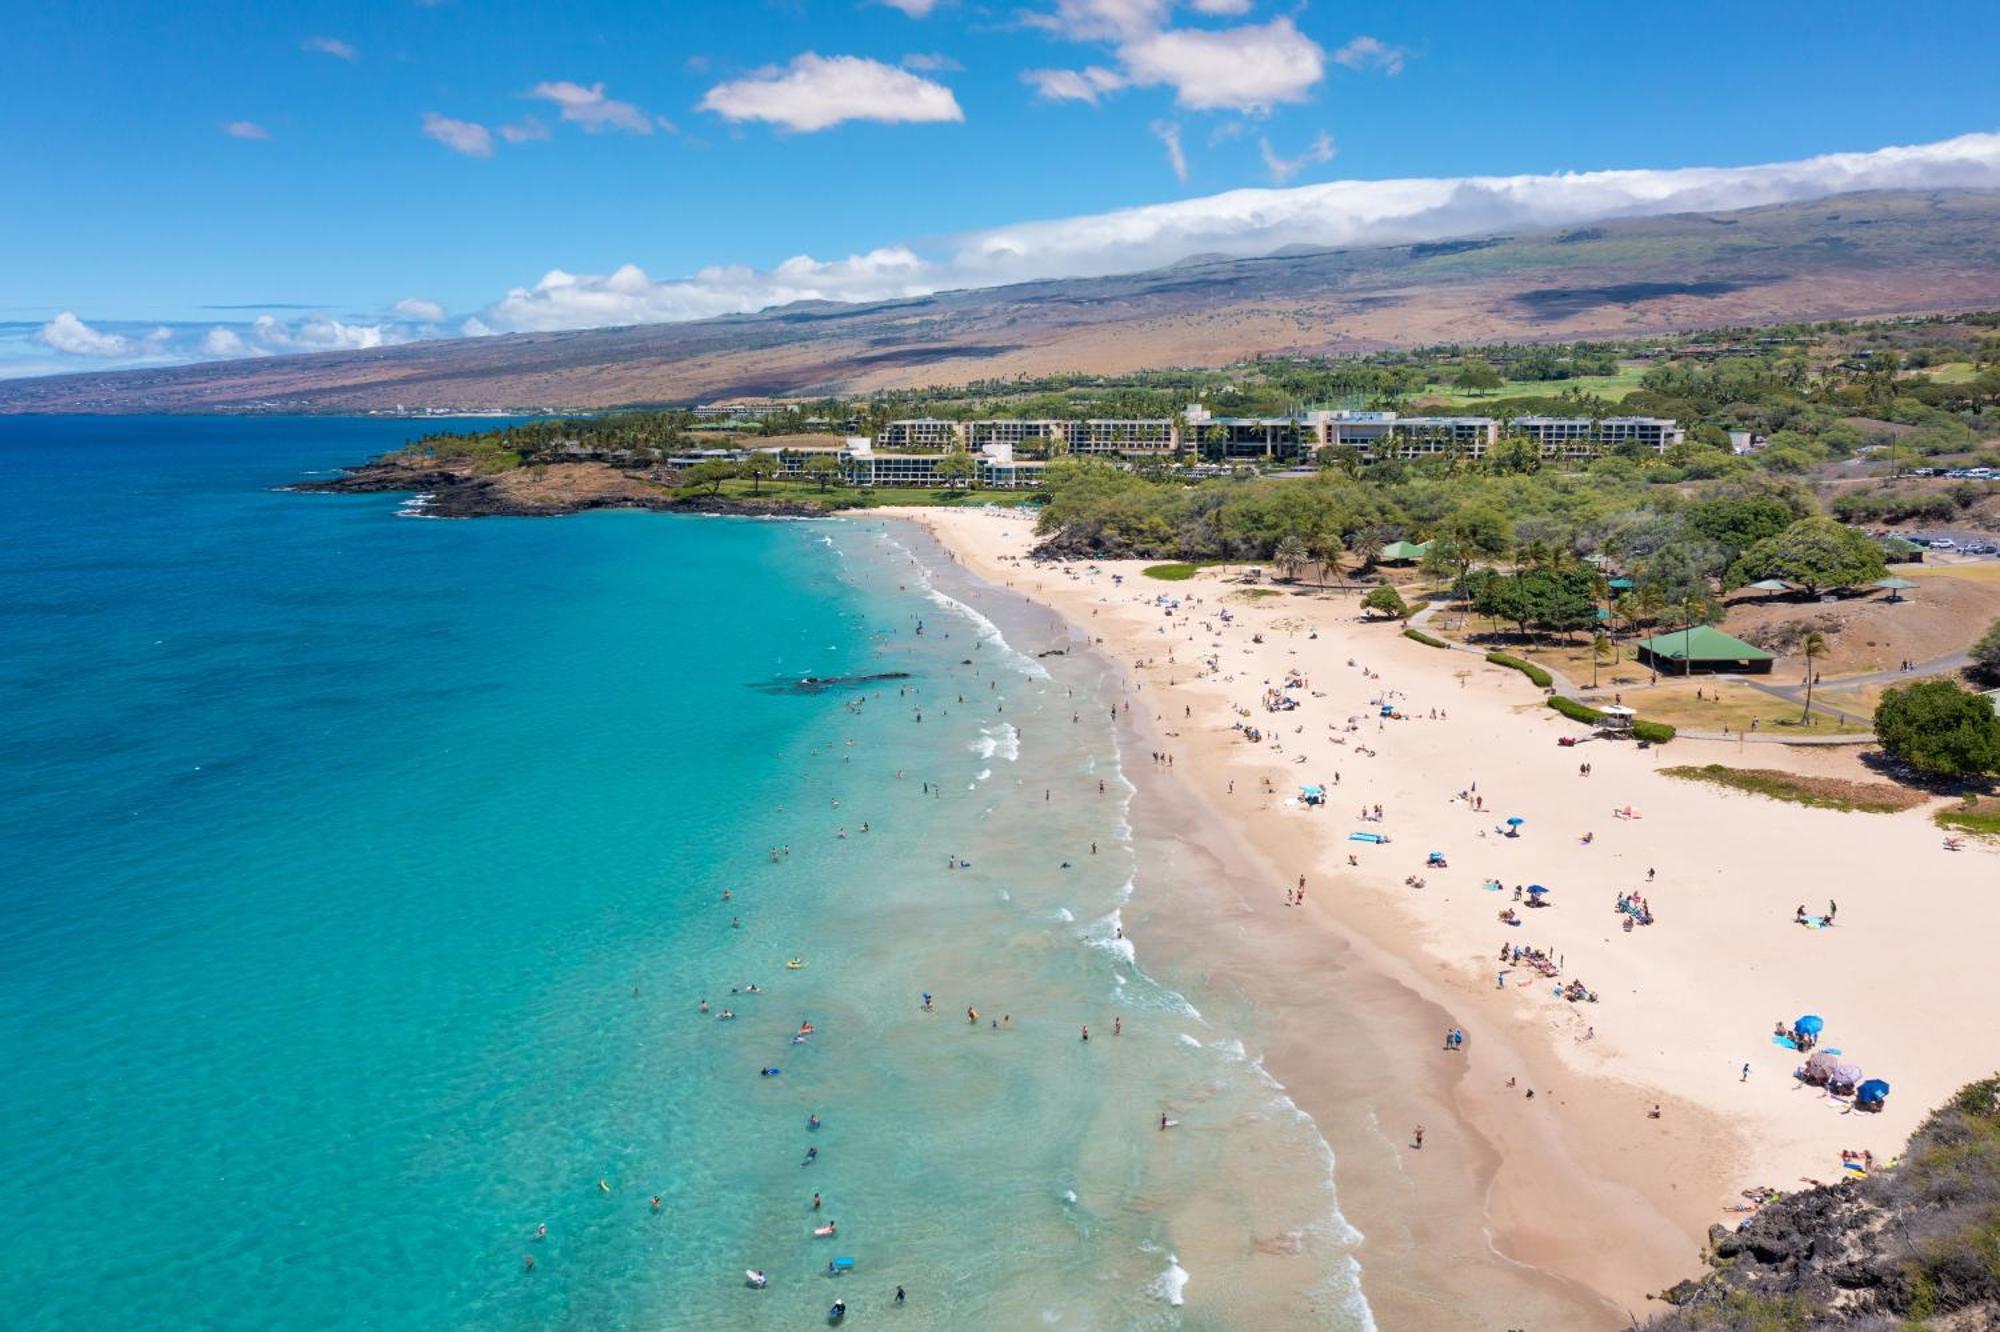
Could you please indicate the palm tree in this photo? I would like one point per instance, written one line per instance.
(1813, 647)
(1326, 549)
(1600, 648)
(1290, 556)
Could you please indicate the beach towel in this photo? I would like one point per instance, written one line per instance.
(1785, 1041)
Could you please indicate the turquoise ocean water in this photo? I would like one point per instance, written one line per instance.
(360, 877)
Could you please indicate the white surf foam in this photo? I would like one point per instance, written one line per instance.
(1170, 1286)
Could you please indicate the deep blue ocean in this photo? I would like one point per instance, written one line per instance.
(361, 877)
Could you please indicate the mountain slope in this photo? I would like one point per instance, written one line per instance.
(1854, 255)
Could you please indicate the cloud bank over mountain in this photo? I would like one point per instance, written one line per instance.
(1238, 222)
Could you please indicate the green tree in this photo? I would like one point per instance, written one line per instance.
(1813, 648)
(1986, 652)
(954, 468)
(1476, 375)
(1815, 553)
(1483, 531)
(823, 468)
(1386, 599)
(711, 474)
(759, 467)
(1516, 453)
(1291, 555)
(1940, 728)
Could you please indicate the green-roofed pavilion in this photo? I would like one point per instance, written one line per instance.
(1703, 648)
(1397, 551)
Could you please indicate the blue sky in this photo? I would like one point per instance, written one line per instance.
(319, 164)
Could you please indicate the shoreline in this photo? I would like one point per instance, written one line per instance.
(1579, 1196)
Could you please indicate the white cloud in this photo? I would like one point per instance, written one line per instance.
(413, 307)
(1244, 222)
(1282, 169)
(1101, 20)
(461, 136)
(1231, 7)
(590, 108)
(1371, 53)
(1251, 68)
(527, 129)
(245, 129)
(322, 333)
(67, 333)
(932, 62)
(1073, 85)
(816, 92)
(1170, 135)
(332, 46)
(222, 343)
(916, 9)
(474, 327)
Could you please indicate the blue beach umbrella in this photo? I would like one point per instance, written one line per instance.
(1536, 890)
(1516, 822)
(1872, 1090)
(1809, 1025)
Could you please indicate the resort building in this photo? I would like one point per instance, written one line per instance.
(1040, 437)
(1387, 435)
(792, 458)
(1586, 437)
(999, 469)
(1242, 437)
(921, 432)
(1128, 437)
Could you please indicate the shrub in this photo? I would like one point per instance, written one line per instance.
(1540, 677)
(1574, 710)
(1652, 732)
(1170, 573)
(1940, 729)
(1425, 638)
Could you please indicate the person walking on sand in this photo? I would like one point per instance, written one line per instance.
(1746, 1074)
(1418, 1133)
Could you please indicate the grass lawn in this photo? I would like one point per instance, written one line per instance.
(1819, 792)
(1612, 387)
(1733, 706)
(1951, 372)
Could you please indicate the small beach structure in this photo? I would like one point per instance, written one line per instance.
(1774, 586)
(1403, 552)
(1894, 586)
(1703, 648)
(1616, 720)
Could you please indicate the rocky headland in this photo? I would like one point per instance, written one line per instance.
(553, 490)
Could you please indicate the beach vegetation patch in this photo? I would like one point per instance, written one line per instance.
(1541, 678)
(1178, 572)
(1424, 638)
(1818, 792)
(1981, 818)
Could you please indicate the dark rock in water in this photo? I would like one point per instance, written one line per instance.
(815, 684)
(1053, 652)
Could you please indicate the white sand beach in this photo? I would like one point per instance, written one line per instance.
(1581, 1182)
